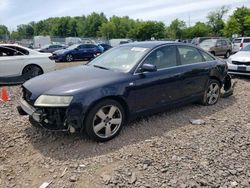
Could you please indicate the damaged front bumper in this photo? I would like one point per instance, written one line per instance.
(54, 119)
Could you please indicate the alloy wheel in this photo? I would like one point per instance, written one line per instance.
(213, 93)
(107, 121)
(69, 58)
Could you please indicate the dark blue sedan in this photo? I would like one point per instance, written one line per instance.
(77, 52)
(126, 82)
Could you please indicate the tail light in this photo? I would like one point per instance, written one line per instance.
(241, 45)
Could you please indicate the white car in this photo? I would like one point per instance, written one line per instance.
(18, 61)
(239, 63)
(240, 43)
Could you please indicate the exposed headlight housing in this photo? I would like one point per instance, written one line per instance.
(53, 101)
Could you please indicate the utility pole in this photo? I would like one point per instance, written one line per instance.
(189, 20)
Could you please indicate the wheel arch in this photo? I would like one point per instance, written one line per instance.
(33, 64)
(217, 79)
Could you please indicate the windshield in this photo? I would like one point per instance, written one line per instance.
(209, 42)
(72, 47)
(247, 48)
(122, 59)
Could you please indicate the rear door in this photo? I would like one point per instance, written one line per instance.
(11, 62)
(195, 70)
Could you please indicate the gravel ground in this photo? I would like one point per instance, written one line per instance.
(164, 150)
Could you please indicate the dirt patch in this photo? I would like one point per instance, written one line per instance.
(163, 150)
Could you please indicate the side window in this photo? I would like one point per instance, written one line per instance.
(163, 57)
(247, 40)
(219, 43)
(4, 51)
(81, 46)
(224, 43)
(189, 55)
(206, 56)
(20, 51)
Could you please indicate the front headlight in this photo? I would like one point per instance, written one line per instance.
(53, 101)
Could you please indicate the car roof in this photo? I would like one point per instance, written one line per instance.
(149, 44)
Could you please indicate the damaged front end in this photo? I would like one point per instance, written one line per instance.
(51, 118)
(228, 87)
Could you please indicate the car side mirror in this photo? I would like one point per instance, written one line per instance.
(148, 68)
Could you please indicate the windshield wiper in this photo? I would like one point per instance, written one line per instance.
(100, 67)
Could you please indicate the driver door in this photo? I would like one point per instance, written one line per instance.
(162, 87)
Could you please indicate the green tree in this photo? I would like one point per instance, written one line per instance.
(215, 21)
(4, 32)
(175, 29)
(26, 30)
(149, 29)
(240, 20)
(92, 24)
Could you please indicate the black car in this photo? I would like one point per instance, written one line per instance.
(105, 46)
(52, 48)
(126, 82)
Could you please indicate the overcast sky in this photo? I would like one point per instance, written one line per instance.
(15, 12)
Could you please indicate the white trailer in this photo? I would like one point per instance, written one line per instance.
(72, 40)
(40, 41)
(118, 42)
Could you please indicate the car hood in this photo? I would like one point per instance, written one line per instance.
(241, 56)
(71, 81)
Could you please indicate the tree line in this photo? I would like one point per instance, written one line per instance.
(98, 25)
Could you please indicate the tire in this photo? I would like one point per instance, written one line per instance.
(227, 54)
(212, 93)
(213, 53)
(69, 58)
(105, 120)
(31, 71)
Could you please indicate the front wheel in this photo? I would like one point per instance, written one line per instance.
(105, 120)
(69, 58)
(212, 93)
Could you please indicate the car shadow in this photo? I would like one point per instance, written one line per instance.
(63, 146)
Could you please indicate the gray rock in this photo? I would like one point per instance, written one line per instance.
(197, 122)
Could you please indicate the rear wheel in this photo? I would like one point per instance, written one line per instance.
(227, 54)
(212, 93)
(213, 53)
(31, 71)
(69, 58)
(105, 120)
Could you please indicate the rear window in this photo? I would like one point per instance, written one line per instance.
(237, 41)
(246, 40)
